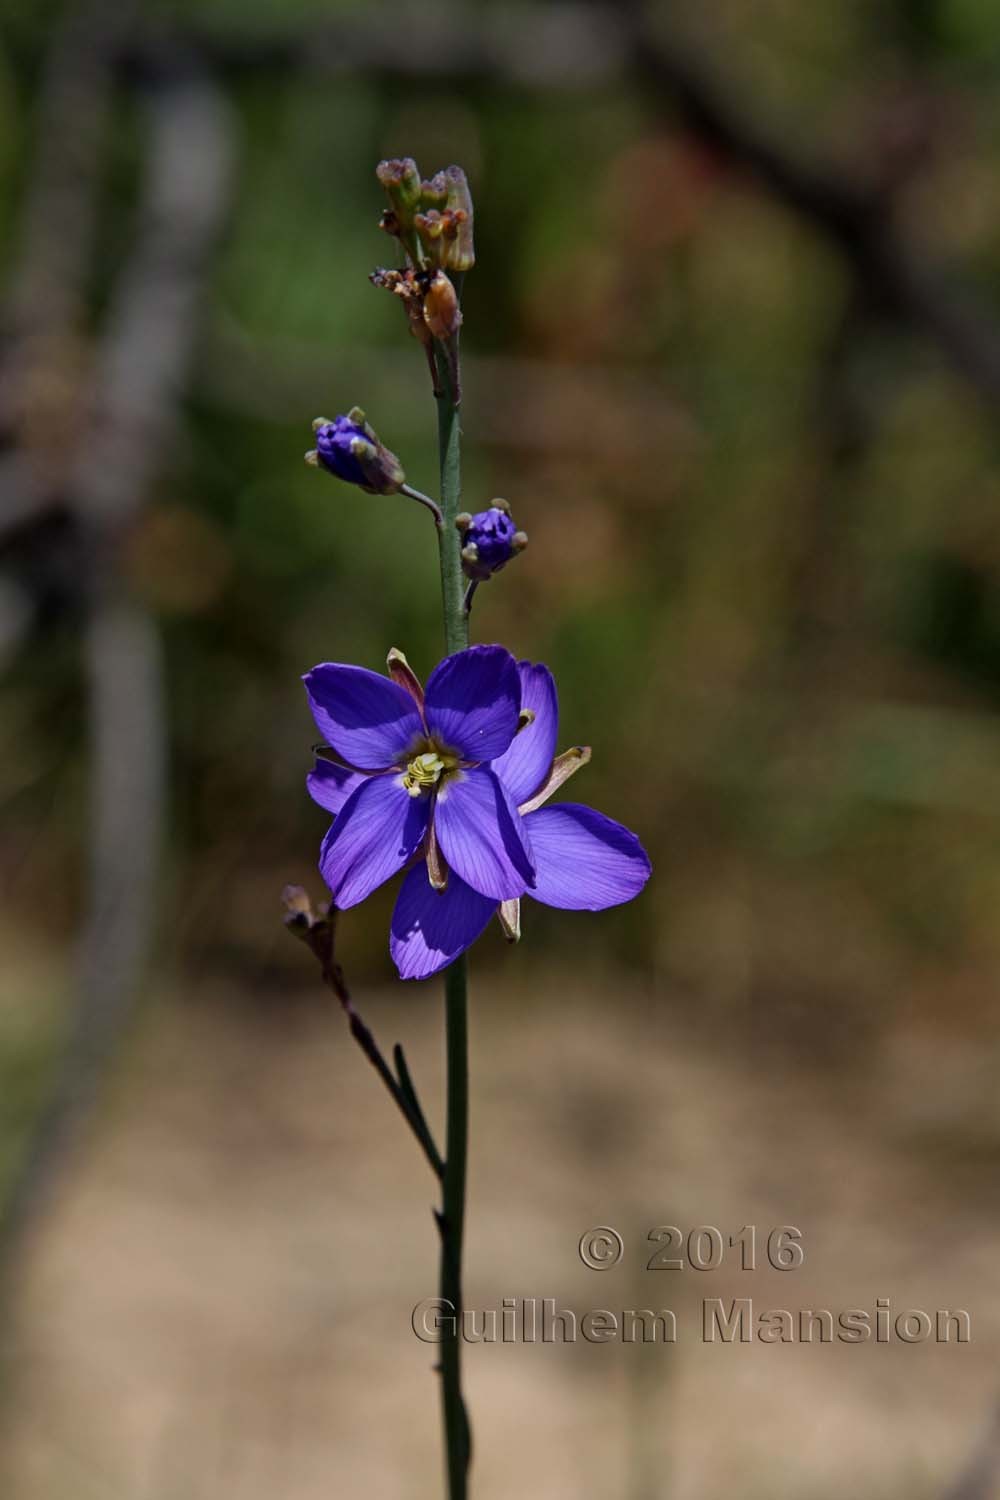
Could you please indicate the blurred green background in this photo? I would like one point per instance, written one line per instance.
(732, 353)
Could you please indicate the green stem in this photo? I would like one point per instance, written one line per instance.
(456, 621)
(452, 1224)
(452, 1219)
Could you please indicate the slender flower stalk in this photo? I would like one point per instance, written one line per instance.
(451, 1223)
(490, 540)
(444, 784)
(424, 500)
(456, 622)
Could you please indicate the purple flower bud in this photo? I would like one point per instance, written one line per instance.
(489, 540)
(349, 448)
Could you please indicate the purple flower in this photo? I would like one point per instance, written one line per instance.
(452, 782)
(350, 449)
(489, 540)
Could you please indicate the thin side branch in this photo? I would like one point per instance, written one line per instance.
(977, 1479)
(318, 932)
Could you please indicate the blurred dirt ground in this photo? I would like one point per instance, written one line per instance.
(220, 1303)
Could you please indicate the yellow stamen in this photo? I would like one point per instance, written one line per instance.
(423, 772)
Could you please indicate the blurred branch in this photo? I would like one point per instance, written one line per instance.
(144, 358)
(578, 44)
(841, 418)
(977, 1479)
(48, 284)
(859, 222)
(562, 43)
(44, 353)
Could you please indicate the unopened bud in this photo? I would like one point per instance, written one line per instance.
(489, 540)
(350, 449)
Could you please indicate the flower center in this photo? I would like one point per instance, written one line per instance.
(426, 770)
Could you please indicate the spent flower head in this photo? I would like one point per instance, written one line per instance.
(441, 311)
(433, 220)
(401, 180)
(445, 220)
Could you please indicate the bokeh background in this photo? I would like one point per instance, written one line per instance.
(732, 352)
